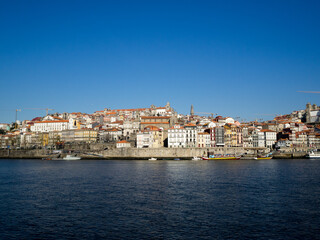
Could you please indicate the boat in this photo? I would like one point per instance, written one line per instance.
(313, 155)
(71, 157)
(177, 159)
(248, 158)
(152, 159)
(46, 158)
(264, 158)
(221, 157)
(196, 159)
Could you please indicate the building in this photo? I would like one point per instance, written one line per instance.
(158, 136)
(270, 137)
(50, 126)
(203, 140)
(191, 135)
(177, 137)
(123, 144)
(86, 135)
(160, 122)
(144, 139)
(258, 138)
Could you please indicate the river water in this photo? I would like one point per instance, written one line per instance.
(267, 199)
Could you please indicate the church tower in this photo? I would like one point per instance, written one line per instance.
(191, 111)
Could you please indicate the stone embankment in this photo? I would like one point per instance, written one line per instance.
(126, 153)
(145, 153)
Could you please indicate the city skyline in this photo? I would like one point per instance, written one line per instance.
(246, 59)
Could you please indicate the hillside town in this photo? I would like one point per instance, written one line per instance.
(162, 127)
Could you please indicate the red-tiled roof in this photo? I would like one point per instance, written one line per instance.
(154, 117)
(60, 121)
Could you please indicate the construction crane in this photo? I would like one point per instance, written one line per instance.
(17, 110)
(309, 91)
(210, 114)
(47, 109)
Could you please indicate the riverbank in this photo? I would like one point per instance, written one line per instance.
(145, 153)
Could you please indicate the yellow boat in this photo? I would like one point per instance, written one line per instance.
(221, 158)
(264, 158)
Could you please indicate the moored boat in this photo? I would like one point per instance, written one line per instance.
(152, 159)
(196, 158)
(313, 155)
(264, 158)
(71, 157)
(248, 158)
(222, 157)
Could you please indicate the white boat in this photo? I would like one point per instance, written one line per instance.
(70, 157)
(313, 155)
(152, 159)
(196, 159)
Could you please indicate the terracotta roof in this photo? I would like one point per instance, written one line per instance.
(266, 130)
(60, 121)
(154, 117)
(154, 123)
(190, 125)
(113, 130)
(152, 128)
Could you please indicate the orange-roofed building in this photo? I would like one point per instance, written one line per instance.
(160, 122)
(123, 144)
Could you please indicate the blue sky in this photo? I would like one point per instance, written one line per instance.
(234, 58)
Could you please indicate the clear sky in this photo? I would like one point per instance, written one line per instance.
(234, 58)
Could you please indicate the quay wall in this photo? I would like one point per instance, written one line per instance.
(145, 153)
(167, 152)
(125, 153)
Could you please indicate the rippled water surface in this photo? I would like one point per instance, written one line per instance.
(272, 199)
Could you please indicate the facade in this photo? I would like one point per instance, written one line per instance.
(160, 122)
(158, 136)
(258, 138)
(177, 137)
(270, 137)
(203, 140)
(123, 144)
(86, 135)
(144, 139)
(191, 135)
(50, 126)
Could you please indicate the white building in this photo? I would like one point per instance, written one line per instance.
(258, 138)
(264, 138)
(123, 144)
(144, 139)
(229, 120)
(49, 126)
(270, 137)
(177, 137)
(5, 126)
(191, 135)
